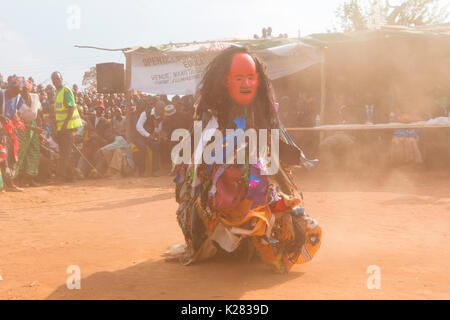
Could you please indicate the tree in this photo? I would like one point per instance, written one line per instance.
(90, 78)
(357, 15)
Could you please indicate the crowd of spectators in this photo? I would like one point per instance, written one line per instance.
(115, 139)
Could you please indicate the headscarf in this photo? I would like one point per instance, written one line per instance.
(16, 82)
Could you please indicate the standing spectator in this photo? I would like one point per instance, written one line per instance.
(172, 120)
(148, 127)
(2, 83)
(50, 90)
(10, 101)
(107, 101)
(75, 90)
(67, 120)
(45, 104)
(29, 152)
(89, 103)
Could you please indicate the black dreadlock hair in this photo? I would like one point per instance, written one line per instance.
(214, 94)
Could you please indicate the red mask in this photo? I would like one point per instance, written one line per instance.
(242, 81)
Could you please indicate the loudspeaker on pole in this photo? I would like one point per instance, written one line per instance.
(110, 77)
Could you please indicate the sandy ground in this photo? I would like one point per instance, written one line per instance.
(116, 230)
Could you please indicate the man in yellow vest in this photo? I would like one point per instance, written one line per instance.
(66, 121)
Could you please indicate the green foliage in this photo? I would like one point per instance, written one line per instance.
(357, 15)
(90, 78)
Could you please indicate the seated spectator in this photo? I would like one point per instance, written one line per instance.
(97, 134)
(48, 157)
(118, 123)
(338, 149)
(108, 114)
(405, 143)
(405, 148)
(115, 159)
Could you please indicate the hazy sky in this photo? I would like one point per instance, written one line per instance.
(38, 37)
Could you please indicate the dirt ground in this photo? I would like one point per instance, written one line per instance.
(116, 230)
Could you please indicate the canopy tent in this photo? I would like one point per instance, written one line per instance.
(178, 68)
(354, 59)
(401, 63)
(381, 32)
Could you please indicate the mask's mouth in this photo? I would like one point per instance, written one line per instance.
(245, 90)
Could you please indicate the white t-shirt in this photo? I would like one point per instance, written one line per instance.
(29, 113)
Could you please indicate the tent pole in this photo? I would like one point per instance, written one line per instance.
(323, 95)
(129, 122)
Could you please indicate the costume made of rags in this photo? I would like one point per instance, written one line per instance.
(11, 124)
(268, 217)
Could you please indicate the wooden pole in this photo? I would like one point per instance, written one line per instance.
(323, 93)
(129, 122)
(323, 86)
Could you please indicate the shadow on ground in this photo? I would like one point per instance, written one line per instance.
(122, 204)
(217, 278)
